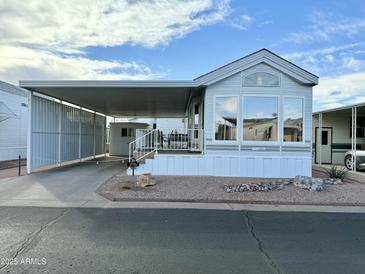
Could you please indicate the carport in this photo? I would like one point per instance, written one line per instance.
(67, 121)
(336, 131)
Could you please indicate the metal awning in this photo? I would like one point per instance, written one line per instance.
(122, 98)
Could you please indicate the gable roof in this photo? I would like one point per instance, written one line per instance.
(261, 56)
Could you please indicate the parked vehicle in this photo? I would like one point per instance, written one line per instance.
(360, 159)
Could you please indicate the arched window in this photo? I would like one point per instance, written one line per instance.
(261, 79)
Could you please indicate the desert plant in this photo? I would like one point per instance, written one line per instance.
(337, 173)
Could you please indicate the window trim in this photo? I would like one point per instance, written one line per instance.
(245, 75)
(129, 130)
(252, 142)
(214, 117)
(290, 143)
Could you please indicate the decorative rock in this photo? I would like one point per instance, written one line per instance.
(146, 180)
(317, 184)
(333, 181)
(250, 187)
(304, 182)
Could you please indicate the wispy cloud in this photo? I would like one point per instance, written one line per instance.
(325, 27)
(333, 60)
(55, 34)
(265, 23)
(241, 22)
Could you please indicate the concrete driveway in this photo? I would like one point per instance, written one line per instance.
(66, 186)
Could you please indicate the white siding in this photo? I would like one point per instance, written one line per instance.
(268, 160)
(13, 131)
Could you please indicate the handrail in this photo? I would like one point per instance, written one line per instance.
(172, 140)
(133, 144)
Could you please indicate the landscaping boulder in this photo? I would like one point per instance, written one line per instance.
(304, 182)
(146, 180)
(317, 184)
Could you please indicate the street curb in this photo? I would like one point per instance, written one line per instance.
(182, 205)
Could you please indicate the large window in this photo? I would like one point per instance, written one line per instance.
(293, 119)
(260, 118)
(226, 118)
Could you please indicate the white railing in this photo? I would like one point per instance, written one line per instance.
(143, 145)
(150, 141)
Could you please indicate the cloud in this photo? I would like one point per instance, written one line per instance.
(30, 64)
(43, 39)
(334, 60)
(339, 91)
(74, 24)
(241, 22)
(325, 27)
(265, 23)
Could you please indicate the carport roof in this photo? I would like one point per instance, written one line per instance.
(122, 98)
(348, 107)
(157, 98)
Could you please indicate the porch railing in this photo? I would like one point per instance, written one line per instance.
(143, 145)
(151, 141)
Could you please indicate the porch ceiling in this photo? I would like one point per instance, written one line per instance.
(121, 98)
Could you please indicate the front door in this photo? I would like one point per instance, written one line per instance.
(324, 142)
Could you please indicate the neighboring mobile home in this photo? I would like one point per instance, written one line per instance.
(251, 117)
(13, 122)
(337, 131)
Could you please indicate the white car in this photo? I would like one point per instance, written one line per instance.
(360, 159)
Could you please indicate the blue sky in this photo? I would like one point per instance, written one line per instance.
(175, 39)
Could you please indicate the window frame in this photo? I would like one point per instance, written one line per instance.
(129, 130)
(244, 76)
(291, 143)
(237, 96)
(252, 142)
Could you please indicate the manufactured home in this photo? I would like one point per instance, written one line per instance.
(249, 118)
(339, 133)
(13, 122)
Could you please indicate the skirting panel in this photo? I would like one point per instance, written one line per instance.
(269, 167)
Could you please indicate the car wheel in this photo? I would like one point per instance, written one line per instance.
(348, 162)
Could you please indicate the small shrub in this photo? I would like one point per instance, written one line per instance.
(337, 173)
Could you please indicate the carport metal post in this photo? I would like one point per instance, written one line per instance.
(320, 138)
(29, 136)
(94, 135)
(80, 134)
(353, 137)
(59, 132)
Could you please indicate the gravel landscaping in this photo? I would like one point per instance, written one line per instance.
(214, 189)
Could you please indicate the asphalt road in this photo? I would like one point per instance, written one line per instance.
(55, 240)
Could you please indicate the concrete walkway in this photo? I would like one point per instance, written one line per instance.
(70, 186)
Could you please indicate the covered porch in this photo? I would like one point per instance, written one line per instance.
(68, 118)
(339, 137)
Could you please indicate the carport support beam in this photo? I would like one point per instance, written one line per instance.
(353, 137)
(80, 134)
(59, 132)
(320, 120)
(29, 137)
